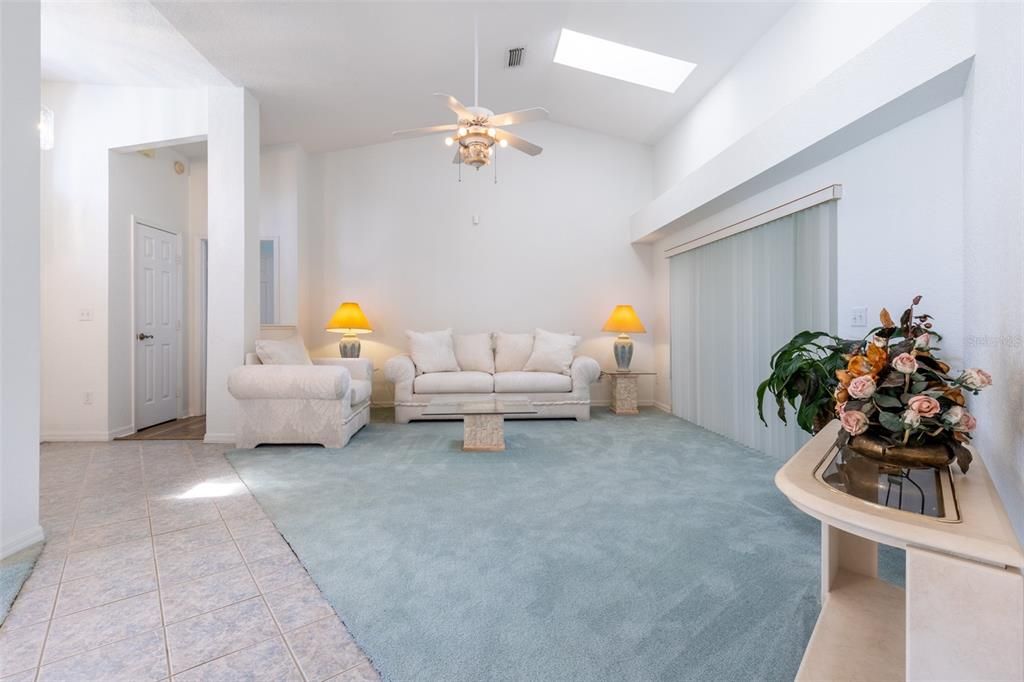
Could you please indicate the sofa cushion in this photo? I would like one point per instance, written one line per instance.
(360, 391)
(552, 352)
(290, 351)
(473, 352)
(531, 382)
(511, 351)
(432, 351)
(454, 382)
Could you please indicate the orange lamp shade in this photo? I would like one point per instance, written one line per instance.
(349, 319)
(624, 321)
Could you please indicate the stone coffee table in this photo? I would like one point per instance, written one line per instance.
(483, 420)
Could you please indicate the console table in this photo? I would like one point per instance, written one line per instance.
(961, 615)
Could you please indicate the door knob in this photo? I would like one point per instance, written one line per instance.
(143, 337)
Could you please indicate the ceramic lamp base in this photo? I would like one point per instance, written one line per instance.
(349, 346)
(623, 352)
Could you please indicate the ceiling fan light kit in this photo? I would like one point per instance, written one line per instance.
(478, 130)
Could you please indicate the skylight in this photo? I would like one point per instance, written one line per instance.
(623, 62)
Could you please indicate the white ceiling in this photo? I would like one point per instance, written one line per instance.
(119, 43)
(332, 75)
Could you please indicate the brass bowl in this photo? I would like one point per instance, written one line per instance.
(931, 455)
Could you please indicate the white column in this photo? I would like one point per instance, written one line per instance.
(19, 276)
(234, 227)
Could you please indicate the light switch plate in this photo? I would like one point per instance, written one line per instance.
(859, 316)
(85, 315)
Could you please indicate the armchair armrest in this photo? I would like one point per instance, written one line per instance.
(584, 371)
(399, 369)
(289, 381)
(359, 368)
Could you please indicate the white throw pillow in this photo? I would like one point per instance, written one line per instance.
(552, 352)
(432, 351)
(473, 352)
(511, 351)
(290, 351)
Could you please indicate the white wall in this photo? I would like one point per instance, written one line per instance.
(900, 228)
(150, 190)
(91, 120)
(808, 43)
(280, 170)
(234, 259)
(552, 248)
(994, 245)
(19, 277)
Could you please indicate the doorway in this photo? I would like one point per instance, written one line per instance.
(270, 274)
(157, 323)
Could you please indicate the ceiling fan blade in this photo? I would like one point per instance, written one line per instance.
(456, 106)
(518, 142)
(522, 116)
(416, 132)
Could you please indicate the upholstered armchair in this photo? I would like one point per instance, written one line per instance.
(323, 403)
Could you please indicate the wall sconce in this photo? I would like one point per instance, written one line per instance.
(45, 129)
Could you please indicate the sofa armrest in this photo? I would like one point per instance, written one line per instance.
(399, 369)
(359, 368)
(289, 381)
(584, 371)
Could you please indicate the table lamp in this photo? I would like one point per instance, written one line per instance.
(624, 321)
(349, 320)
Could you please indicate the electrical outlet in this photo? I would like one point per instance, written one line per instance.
(87, 398)
(859, 316)
(85, 315)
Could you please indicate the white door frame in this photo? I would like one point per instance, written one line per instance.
(180, 298)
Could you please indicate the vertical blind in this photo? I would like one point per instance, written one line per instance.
(733, 303)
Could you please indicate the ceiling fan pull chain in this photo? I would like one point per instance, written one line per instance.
(495, 152)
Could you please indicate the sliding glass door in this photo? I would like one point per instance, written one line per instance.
(733, 303)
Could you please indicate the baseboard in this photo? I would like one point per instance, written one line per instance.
(75, 436)
(219, 438)
(85, 436)
(21, 541)
(663, 407)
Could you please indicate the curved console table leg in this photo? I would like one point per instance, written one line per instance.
(843, 551)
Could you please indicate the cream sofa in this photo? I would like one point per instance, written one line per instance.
(324, 403)
(554, 395)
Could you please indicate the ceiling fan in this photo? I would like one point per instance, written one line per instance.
(477, 128)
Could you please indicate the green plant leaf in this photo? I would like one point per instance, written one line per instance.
(890, 421)
(883, 400)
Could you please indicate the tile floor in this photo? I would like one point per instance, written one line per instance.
(161, 565)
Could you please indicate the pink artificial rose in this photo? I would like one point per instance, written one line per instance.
(967, 422)
(922, 341)
(924, 405)
(904, 363)
(976, 379)
(854, 422)
(862, 388)
(953, 415)
(911, 419)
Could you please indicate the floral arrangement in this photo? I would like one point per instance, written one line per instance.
(894, 389)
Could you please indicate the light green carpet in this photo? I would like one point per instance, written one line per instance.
(624, 548)
(14, 570)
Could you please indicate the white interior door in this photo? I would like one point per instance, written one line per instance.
(156, 326)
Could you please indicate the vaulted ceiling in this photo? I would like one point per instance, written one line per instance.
(332, 75)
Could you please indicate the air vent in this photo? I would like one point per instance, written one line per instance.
(515, 57)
